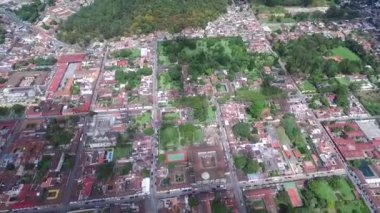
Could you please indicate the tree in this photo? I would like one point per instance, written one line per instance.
(18, 109)
(198, 103)
(218, 206)
(111, 18)
(334, 182)
(2, 80)
(193, 202)
(355, 163)
(148, 131)
(145, 71)
(256, 108)
(348, 128)
(331, 68)
(252, 167)
(4, 111)
(355, 86)
(31, 12)
(242, 130)
(175, 74)
(171, 166)
(10, 167)
(254, 139)
(341, 96)
(50, 2)
(161, 158)
(104, 171)
(126, 169)
(240, 161)
(39, 61)
(268, 89)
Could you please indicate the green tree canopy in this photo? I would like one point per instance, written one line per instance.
(4, 111)
(105, 19)
(242, 130)
(18, 109)
(193, 201)
(104, 171)
(31, 12)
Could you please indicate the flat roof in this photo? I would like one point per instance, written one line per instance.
(370, 128)
(145, 185)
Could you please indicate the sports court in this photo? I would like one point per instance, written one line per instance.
(292, 191)
(176, 157)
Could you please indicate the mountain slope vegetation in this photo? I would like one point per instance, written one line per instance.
(105, 19)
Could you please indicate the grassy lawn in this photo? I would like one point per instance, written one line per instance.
(165, 83)
(343, 80)
(284, 139)
(349, 207)
(121, 152)
(169, 137)
(307, 87)
(170, 116)
(135, 53)
(198, 135)
(345, 190)
(190, 134)
(330, 194)
(162, 58)
(345, 53)
(176, 137)
(324, 191)
(211, 115)
(371, 101)
(145, 118)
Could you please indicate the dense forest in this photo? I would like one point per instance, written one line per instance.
(318, 47)
(272, 3)
(333, 13)
(207, 55)
(31, 12)
(105, 19)
(312, 56)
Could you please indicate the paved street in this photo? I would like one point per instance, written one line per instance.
(151, 203)
(233, 177)
(102, 70)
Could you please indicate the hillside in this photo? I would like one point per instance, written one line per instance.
(105, 19)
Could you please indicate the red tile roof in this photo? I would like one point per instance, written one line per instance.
(23, 204)
(275, 145)
(24, 192)
(71, 58)
(376, 154)
(122, 63)
(87, 186)
(85, 107)
(287, 153)
(296, 153)
(352, 154)
(61, 69)
(376, 142)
